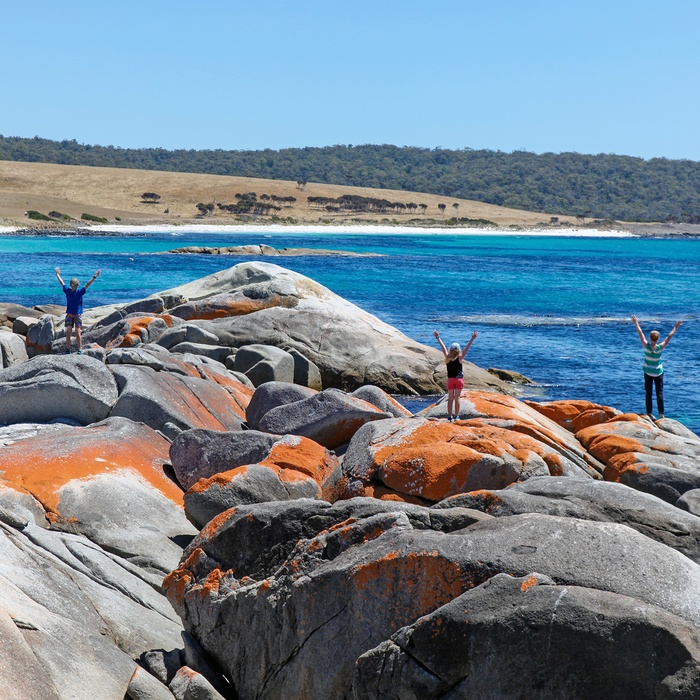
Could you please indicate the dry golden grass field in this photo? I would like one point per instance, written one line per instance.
(114, 193)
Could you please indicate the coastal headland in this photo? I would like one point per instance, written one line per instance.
(221, 497)
(116, 194)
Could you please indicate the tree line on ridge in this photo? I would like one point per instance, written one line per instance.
(601, 186)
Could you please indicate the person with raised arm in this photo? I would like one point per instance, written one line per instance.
(74, 308)
(455, 376)
(653, 367)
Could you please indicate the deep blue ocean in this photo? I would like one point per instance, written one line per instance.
(555, 309)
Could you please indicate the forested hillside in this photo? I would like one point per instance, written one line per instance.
(601, 186)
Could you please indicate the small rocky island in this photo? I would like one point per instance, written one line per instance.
(266, 250)
(221, 498)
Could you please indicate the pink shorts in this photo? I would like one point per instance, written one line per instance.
(455, 383)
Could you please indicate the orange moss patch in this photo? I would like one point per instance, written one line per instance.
(44, 464)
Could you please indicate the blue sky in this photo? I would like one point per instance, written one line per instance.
(604, 76)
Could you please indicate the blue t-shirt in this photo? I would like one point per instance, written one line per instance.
(74, 299)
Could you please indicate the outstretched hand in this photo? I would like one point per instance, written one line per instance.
(474, 334)
(436, 334)
(57, 270)
(97, 274)
(678, 324)
(634, 318)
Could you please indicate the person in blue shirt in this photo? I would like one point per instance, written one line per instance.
(653, 367)
(74, 308)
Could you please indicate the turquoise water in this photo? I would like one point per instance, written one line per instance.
(555, 309)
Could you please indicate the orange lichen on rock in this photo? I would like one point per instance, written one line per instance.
(574, 415)
(623, 463)
(45, 463)
(434, 474)
(240, 393)
(528, 583)
(135, 330)
(211, 529)
(303, 455)
(413, 583)
(222, 307)
(175, 584)
(605, 445)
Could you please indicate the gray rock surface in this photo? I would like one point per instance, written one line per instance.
(190, 685)
(13, 350)
(306, 373)
(79, 615)
(382, 400)
(75, 387)
(144, 686)
(586, 499)
(213, 352)
(271, 395)
(264, 303)
(347, 589)
(329, 417)
(264, 363)
(253, 483)
(480, 645)
(157, 398)
(22, 324)
(199, 454)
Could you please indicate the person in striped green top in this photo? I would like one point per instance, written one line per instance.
(653, 367)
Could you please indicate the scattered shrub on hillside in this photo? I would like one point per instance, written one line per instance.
(463, 220)
(37, 215)
(57, 215)
(150, 198)
(96, 219)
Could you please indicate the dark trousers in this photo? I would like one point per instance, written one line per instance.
(659, 384)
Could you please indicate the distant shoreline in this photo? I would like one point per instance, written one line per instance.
(297, 229)
(627, 230)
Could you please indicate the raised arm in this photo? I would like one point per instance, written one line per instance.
(671, 334)
(442, 345)
(59, 278)
(469, 344)
(92, 279)
(640, 333)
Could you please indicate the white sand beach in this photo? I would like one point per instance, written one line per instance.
(277, 229)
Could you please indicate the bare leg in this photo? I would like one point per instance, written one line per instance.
(450, 401)
(79, 337)
(69, 331)
(453, 402)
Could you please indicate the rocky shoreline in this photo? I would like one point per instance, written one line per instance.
(220, 498)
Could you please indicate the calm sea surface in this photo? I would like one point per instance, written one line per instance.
(556, 309)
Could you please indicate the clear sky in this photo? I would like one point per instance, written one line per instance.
(601, 76)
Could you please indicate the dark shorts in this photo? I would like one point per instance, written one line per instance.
(455, 383)
(74, 320)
